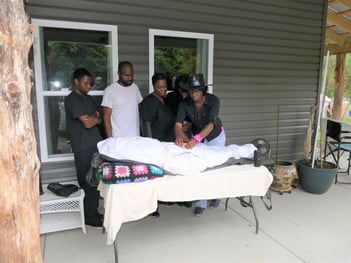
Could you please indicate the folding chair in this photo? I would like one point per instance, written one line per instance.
(337, 144)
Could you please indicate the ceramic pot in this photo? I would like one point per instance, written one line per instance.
(316, 180)
(283, 175)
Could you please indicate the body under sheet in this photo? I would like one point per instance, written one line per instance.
(172, 158)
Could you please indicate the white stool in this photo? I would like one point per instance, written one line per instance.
(59, 213)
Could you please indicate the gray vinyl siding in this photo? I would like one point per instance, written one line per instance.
(267, 54)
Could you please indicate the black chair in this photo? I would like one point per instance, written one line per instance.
(337, 142)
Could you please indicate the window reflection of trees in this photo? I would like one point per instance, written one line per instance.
(64, 51)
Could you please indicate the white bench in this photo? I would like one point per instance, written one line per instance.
(59, 213)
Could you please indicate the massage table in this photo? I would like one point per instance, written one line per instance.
(133, 201)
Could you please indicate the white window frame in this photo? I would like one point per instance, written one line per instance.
(40, 68)
(180, 34)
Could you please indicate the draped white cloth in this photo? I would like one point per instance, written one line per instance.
(133, 201)
(172, 158)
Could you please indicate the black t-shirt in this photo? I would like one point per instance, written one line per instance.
(77, 105)
(173, 99)
(208, 113)
(161, 117)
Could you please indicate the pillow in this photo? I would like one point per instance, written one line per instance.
(125, 172)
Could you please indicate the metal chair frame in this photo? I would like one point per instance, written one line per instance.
(337, 144)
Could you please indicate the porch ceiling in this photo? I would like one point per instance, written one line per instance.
(338, 28)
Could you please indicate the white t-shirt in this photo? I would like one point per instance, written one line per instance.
(124, 103)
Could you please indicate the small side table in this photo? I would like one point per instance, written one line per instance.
(59, 213)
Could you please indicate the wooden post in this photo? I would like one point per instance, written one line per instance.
(339, 87)
(19, 163)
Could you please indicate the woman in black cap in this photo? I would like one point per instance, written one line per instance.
(202, 109)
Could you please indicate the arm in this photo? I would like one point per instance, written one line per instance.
(212, 117)
(204, 132)
(90, 121)
(178, 126)
(186, 126)
(107, 121)
(179, 134)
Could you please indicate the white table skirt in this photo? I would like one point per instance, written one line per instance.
(133, 201)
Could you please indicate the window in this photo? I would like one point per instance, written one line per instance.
(59, 48)
(176, 52)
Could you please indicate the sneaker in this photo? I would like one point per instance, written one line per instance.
(199, 211)
(215, 203)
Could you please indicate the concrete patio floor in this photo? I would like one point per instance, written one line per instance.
(301, 227)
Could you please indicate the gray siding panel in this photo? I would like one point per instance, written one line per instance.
(266, 53)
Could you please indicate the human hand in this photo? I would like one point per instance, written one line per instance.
(191, 143)
(84, 117)
(179, 141)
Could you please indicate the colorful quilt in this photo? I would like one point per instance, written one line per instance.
(124, 172)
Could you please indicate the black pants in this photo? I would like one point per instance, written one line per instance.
(91, 200)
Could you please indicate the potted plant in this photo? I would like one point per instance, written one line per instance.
(315, 176)
(283, 171)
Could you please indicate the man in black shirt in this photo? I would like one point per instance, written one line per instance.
(83, 118)
(202, 110)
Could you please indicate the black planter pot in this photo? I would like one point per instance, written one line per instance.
(316, 180)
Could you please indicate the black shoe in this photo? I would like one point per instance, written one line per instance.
(99, 222)
(96, 224)
(166, 204)
(100, 217)
(199, 211)
(155, 214)
(215, 203)
(186, 204)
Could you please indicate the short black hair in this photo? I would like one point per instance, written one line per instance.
(122, 64)
(80, 73)
(158, 76)
(181, 82)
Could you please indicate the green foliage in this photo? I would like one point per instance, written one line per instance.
(175, 61)
(64, 57)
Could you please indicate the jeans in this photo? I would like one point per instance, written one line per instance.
(218, 141)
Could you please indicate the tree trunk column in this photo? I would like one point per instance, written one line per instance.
(339, 87)
(19, 164)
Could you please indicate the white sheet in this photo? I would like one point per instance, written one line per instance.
(172, 158)
(133, 201)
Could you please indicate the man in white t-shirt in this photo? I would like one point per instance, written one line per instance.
(120, 104)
